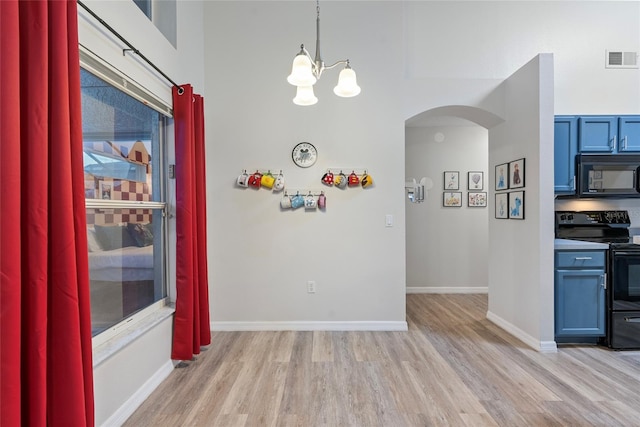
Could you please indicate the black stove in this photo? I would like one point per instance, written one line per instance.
(623, 269)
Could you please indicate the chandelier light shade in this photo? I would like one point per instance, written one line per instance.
(347, 84)
(305, 96)
(305, 72)
(301, 74)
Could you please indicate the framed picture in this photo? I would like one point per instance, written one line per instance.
(502, 205)
(451, 180)
(502, 176)
(516, 205)
(516, 174)
(477, 199)
(475, 181)
(452, 199)
(104, 190)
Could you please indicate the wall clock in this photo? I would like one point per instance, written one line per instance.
(304, 154)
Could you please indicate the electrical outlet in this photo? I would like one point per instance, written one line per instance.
(311, 287)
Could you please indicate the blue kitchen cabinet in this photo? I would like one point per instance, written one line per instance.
(580, 283)
(629, 133)
(565, 140)
(609, 134)
(597, 134)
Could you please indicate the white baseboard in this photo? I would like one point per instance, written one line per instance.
(447, 289)
(541, 346)
(310, 326)
(129, 407)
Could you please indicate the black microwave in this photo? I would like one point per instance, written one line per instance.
(608, 175)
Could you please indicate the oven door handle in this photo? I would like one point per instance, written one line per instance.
(625, 253)
(636, 176)
(632, 319)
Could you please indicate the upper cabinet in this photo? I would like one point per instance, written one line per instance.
(590, 134)
(565, 150)
(609, 134)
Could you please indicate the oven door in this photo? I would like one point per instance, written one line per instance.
(625, 280)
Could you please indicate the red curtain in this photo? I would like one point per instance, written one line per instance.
(46, 372)
(191, 319)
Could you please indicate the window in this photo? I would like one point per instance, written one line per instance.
(145, 6)
(124, 192)
(162, 14)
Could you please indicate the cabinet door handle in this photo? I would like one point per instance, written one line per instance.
(624, 143)
(604, 280)
(583, 258)
(613, 142)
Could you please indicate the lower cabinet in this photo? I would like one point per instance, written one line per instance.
(580, 283)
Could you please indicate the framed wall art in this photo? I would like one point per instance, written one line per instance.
(477, 199)
(502, 176)
(516, 205)
(451, 180)
(516, 174)
(452, 199)
(502, 205)
(475, 181)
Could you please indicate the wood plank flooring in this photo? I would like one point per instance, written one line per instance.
(452, 368)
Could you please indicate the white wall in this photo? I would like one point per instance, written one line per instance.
(458, 52)
(521, 260)
(260, 257)
(447, 248)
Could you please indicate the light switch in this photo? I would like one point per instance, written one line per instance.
(388, 220)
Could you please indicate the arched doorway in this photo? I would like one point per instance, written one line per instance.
(447, 246)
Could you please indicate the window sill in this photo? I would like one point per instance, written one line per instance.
(130, 333)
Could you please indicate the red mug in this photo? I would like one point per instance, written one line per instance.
(327, 178)
(255, 180)
(353, 180)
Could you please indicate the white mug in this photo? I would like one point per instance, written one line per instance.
(285, 202)
(310, 202)
(279, 184)
(243, 179)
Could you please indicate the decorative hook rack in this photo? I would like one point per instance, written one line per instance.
(292, 193)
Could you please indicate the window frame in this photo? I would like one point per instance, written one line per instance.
(96, 66)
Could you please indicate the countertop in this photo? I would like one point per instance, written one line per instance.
(566, 244)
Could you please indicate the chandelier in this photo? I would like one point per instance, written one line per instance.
(305, 72)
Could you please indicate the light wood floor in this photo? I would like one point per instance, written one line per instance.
(452, 368)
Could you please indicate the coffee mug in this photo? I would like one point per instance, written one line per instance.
(327, 178)
(341, 180)
(353, 179)
(310, 202)
(267, 180)
(255, 180)
(297, 201)
(279, 184)
(322, 201)
(285, 203)
(243, 179)
(366, 180)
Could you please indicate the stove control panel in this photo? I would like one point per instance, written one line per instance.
(586, 218)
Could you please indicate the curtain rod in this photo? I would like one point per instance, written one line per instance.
(130, 47)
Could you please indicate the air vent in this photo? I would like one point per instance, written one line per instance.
(621, 59)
